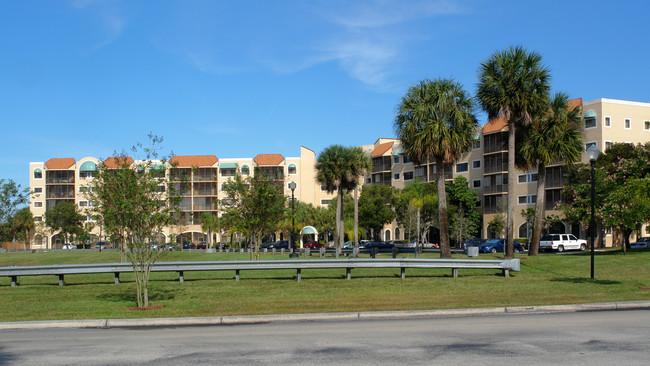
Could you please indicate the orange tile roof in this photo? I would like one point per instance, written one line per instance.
(193, 160)
(118, 162)
(268, 159)
(500, 124)
(575, 103)
(381, 149)
(495, 125)
(60, 163)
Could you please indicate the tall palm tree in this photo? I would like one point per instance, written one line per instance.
(339, 169)
(552, 137)
(435, 121)
(513, 84)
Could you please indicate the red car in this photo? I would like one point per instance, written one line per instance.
(313, 245)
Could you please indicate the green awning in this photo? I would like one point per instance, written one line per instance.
(228, 165)
(292, 165)
(88, 166)
(38, 170)
(590, 114)
(157, 167)
(398, 152)
(309, 230)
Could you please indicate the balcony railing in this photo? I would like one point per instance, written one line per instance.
(205, 192)
(69, 180)
(60, 195)
(490, 148)
(499, 188)
(212, 207)
(555, 182)
(495, 168)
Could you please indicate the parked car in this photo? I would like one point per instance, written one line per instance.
(641, 243)
(561, 242)
(403, 244)
(379, 245)
(267, 245)
(188, 245)
(69, 246)
(282, 244)
(498, 246)
(431, 245)
(474, 242)
(313, 245)
(101, 244)
(347, 245)
(221, 246)
(202, 245)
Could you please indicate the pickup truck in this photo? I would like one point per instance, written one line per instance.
(561, 242)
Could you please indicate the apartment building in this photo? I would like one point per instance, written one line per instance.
(605, 121)
(199, 180)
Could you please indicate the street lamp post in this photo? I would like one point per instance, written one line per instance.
(292, 186)
(592, 154)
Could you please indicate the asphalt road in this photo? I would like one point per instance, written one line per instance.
(586, 338)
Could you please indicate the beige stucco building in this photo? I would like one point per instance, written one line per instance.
(605, 121)
(198, 178)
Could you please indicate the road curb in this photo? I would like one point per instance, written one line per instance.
(316, 317)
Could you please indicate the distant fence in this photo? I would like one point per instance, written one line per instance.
(505, 265)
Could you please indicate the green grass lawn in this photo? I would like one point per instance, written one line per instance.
(544, 280)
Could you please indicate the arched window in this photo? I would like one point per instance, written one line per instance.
(387, 235)
(523, 230)
(292, 168)
(397, 233)
(245, 169)
(38, 173)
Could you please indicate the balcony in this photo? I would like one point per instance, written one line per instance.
(206, 207)
(499, 188)
(555, 183)
(60, 195)
(495, 168)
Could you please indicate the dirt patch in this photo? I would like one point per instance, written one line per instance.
(150, 307)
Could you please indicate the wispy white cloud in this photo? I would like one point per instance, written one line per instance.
(108, 16)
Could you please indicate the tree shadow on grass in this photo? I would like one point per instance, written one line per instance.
(585, 280)
(129, 295)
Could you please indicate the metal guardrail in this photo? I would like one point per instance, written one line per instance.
(61, 270)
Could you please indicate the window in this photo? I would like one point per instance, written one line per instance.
(228, 172)
(590, 122)
(38, 190)
(38, 174)
(608, 144)
(292, 169)
(396, 159)
(368, 180)
(245, 169)
(477, 142)
(83, 203)
(462, 167)
(590, 144)
(646, 125)
(396, 176)
(38, 204)
(628, 124)
(608, 121)
(476, 164)
(325, 201)
(408, 175)
(38, 218)
(476, 183)
(160, 188)
(522, 178)
(83, 189)
(529, 199)
(479, 203)
(522, 200)
(406, 160)
(534, 177)
(322, 188)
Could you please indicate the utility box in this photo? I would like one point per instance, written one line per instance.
(471, 251)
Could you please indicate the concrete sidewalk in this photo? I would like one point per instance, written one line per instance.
(260, 319)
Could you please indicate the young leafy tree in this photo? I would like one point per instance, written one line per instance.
(132, 206)
(66, 218)
(12, 196)
(513, 84)
(553, 136)
(255, 205)
(23, 222)
(375, 207)
(435, 122)
(210, 223)
(466, 220)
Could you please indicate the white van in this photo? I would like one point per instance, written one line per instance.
(561, 242)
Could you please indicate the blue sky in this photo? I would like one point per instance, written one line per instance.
(239, 78)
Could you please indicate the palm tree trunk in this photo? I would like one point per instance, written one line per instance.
(510, 226)
(533, 249)
(445, 249)
(339, 219)
(356, 215)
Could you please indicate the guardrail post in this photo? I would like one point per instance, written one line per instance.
(60, 280)
(180, 276)
(299, 274)
(321, 252)
(403, 273)
(273, 251)
(14, 281)
(417, 253)
(454, 272)
(395, 252)
(236, 275)
(373, 252)
(117, 278)
(506, 273)
(348, 273)
(307, 252)
(281, 251)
